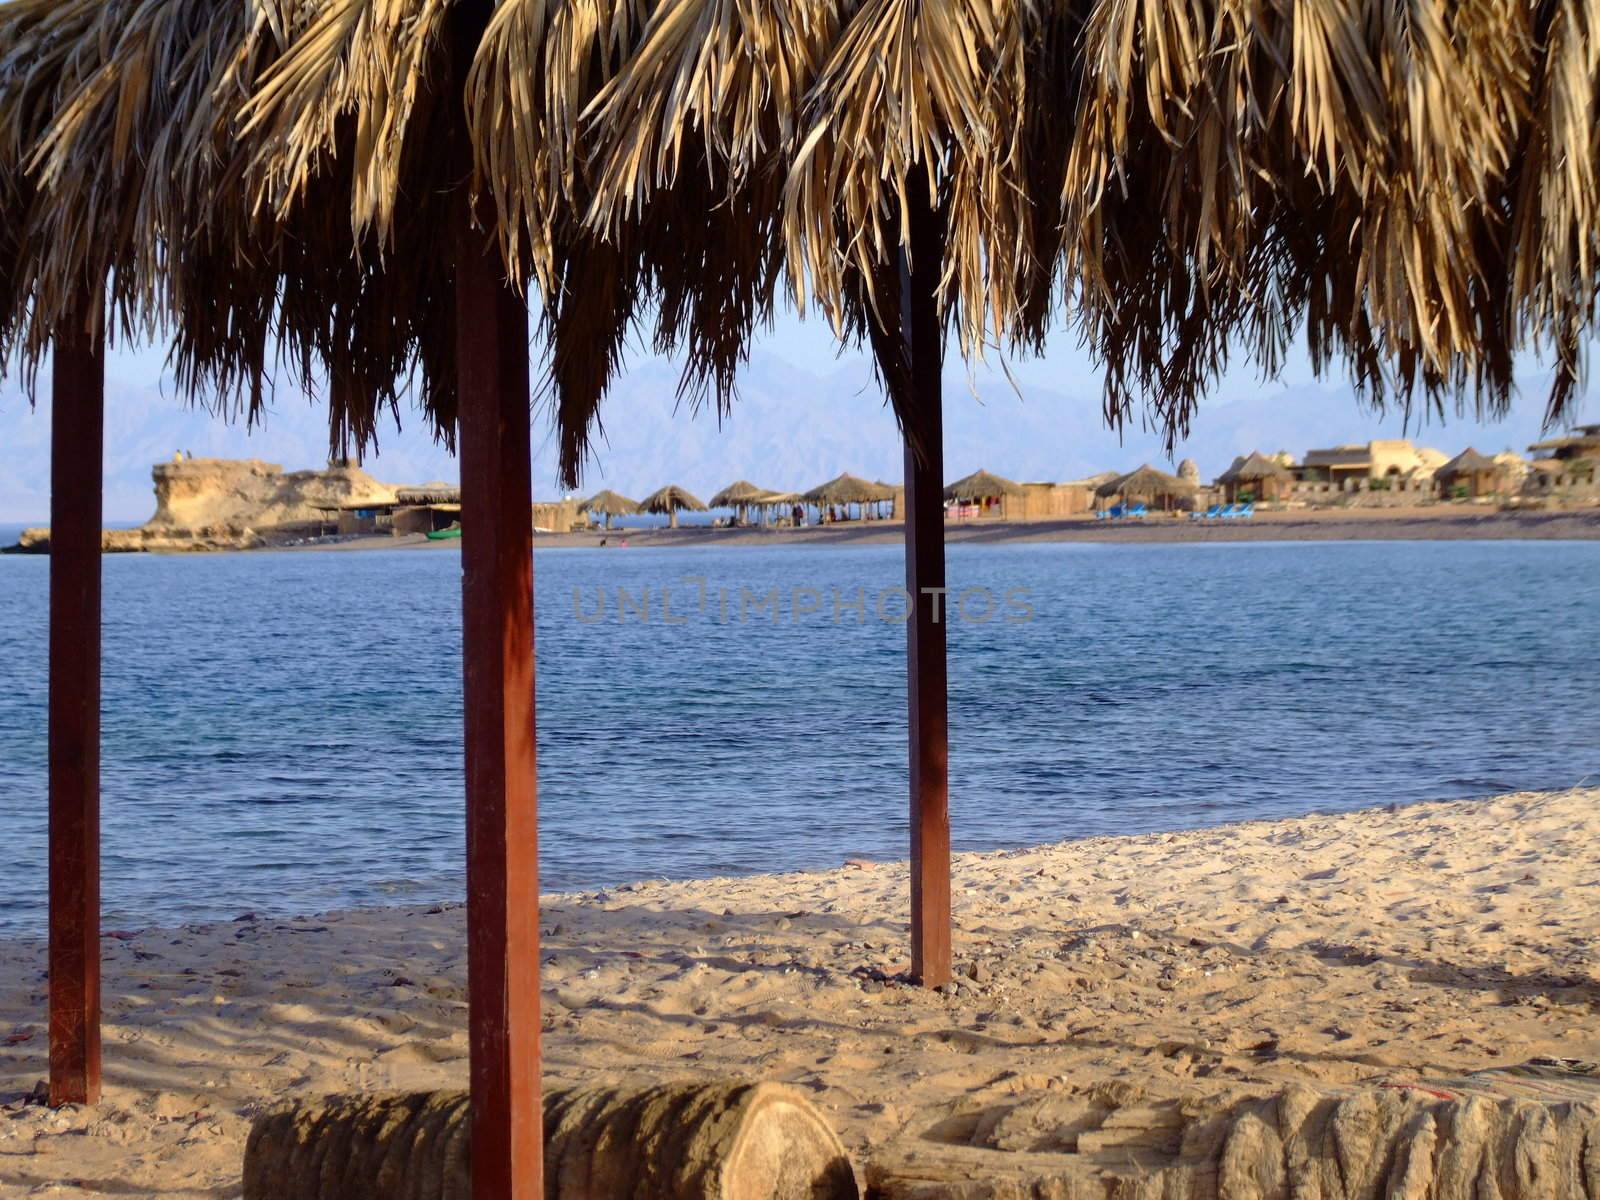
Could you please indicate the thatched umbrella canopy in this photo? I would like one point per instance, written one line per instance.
(848, 489)
(1148, 483)
(741, 496)
(609, 504)
(670, 500)
(1416, 190)
(981, 485)
(740, 492)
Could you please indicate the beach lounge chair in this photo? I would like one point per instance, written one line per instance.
(1112, 513)
(1246, 510)
(1229, 512)
(1138, 510)
(1214, 511)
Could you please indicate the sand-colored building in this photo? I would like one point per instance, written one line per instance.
(1389, 458)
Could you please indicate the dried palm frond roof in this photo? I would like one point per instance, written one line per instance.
(1416, 187)
(981, 485)
(609, 503)
(1255, 465)
(1468, 462)
(849, 489)
(428, 493)
(741, 491)
(671, 498)
(1146, 481)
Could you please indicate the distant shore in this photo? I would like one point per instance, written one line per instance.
(1430, 523)
(1434, 523)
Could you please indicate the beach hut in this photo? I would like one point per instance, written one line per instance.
(1469, 475)
(377, 189)
(609, 504)
(1148, 485)
(985, 492)
(670, 500)
(1255, 477)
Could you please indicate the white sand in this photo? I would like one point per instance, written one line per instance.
(1441, 937)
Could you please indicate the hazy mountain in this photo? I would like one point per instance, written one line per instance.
(793, 426)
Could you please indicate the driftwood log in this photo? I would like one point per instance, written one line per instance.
(1376, 1144)
(686, 1141)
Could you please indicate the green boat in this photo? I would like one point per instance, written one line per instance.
(440, 535)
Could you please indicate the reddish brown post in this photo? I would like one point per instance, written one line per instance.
(77, 430)
(502, 790)
(925, 632)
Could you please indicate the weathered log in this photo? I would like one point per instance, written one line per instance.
(1374, 1144)
(683, 1141)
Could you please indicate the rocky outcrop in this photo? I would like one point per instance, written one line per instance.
(233, 504)
(233, 497)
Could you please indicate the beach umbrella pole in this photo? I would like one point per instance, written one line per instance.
(77, 433)
(926, 688)
(502, 790)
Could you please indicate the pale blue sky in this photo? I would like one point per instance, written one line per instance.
(805, 413)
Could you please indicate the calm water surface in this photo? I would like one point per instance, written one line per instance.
(282, 729)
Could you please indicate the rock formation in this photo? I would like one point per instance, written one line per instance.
(234, 504)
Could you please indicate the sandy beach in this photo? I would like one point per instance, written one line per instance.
(1383, 944)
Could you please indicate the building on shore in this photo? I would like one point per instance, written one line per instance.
(1471, 476)
(1256, 478)
(1359, 463)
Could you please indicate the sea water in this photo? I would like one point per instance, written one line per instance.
(282, 730)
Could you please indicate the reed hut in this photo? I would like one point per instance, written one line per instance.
(670, 500)
(380, 190)
(987, 492)
(1146, 484)
(1469, 475)
(1255, 477)
(608, 504)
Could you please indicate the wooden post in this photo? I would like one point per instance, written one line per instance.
(77, 430)
(502, 791)
(926, 682)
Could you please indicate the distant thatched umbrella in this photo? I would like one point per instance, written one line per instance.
(609, 504)
(849, 489)
(671, 500)
(741, 496)
(1263, 477)
(740, 492)
(981, 485)
(1146, 482)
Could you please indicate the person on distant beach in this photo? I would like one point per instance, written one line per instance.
(799, 516)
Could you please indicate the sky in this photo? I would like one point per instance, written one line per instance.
(805, 413)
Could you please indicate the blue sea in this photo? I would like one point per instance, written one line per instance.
(282, 730)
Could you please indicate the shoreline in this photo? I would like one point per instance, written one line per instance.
(1429, 523)
(1438, 937)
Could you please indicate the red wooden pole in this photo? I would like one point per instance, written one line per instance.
(926, 682)
(77, 430)
(502, 791)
